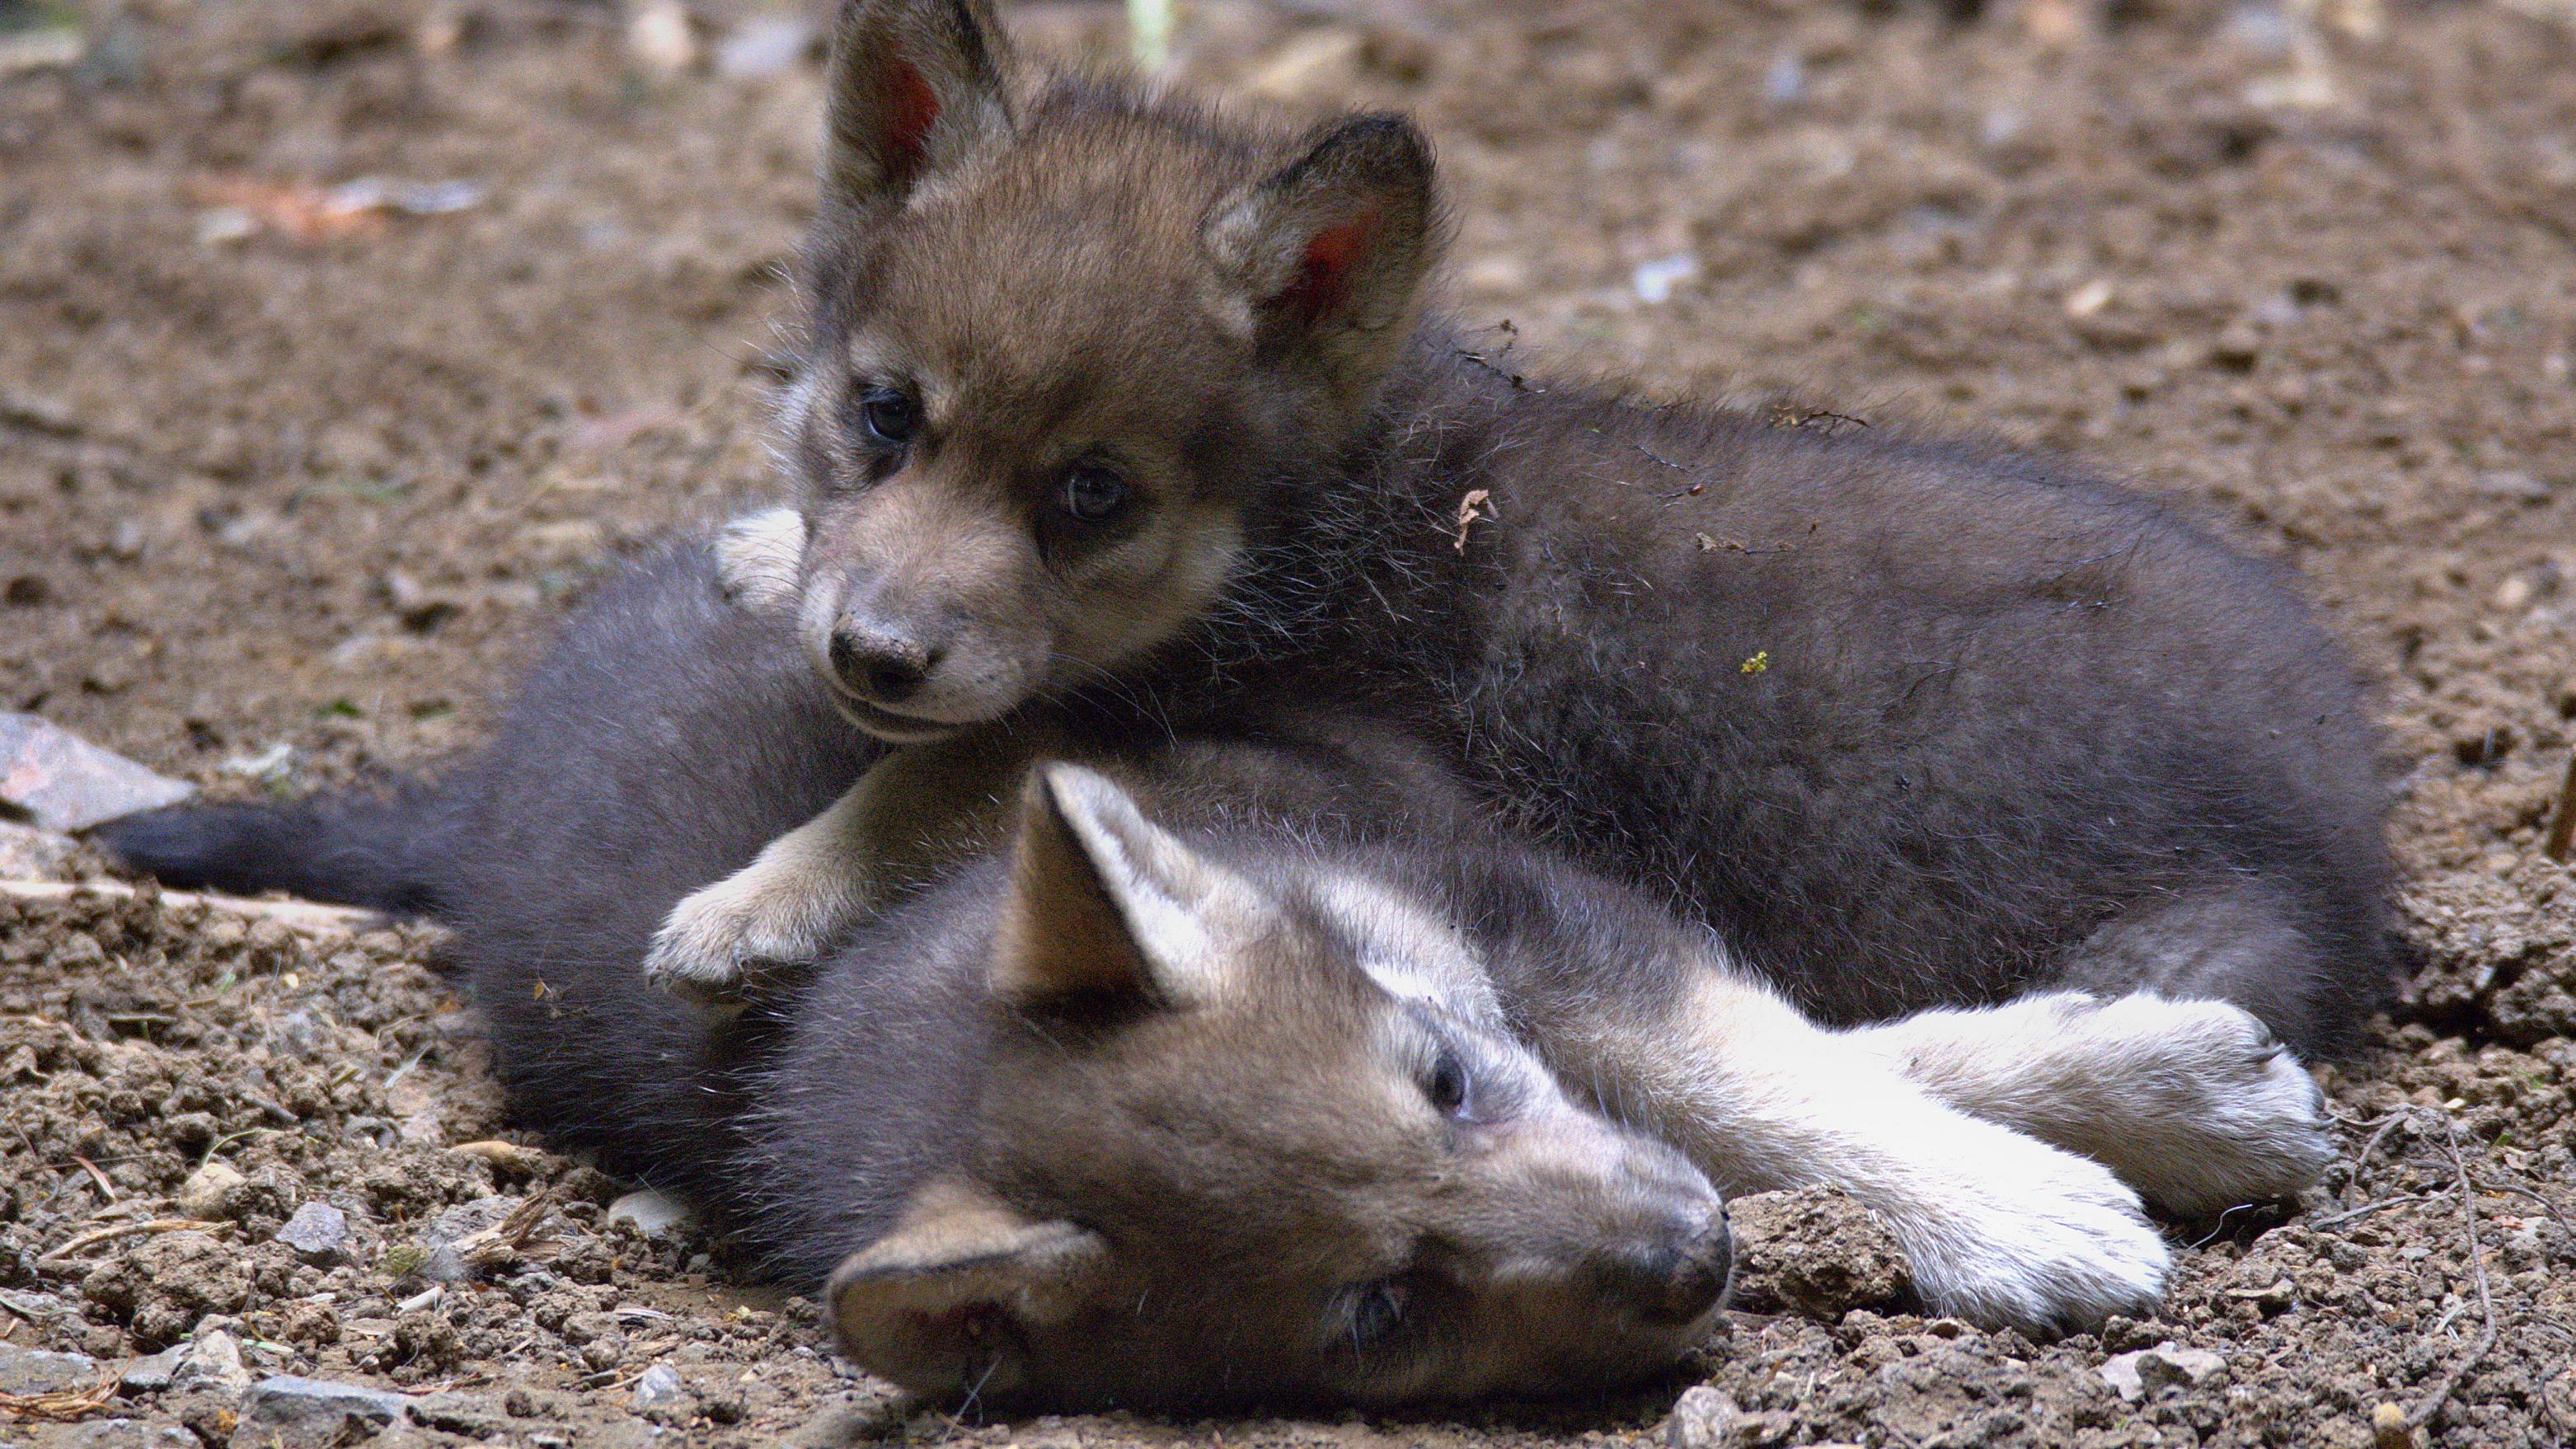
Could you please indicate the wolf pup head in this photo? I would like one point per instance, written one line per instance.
(1254, 1134)
(1059, 337)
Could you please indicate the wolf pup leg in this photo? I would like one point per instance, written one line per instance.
(802, 890)
(806, 886)
(809, 886)
(919, 809)
(1999, 1227)
(2196, 1104)
(2246, 941)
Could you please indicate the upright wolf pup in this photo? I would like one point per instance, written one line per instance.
(1251, 1065)
(1109, 402)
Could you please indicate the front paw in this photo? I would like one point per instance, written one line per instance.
(2053, 1244)
(717, 945)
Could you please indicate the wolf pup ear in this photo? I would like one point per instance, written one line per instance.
(915, 87)
(1331, 250)
(1103, 903)
(932, 1304)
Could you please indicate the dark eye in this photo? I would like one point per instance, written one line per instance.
(1376, 1313)
(1092, 493)
(1447, 1084)
(891, 415)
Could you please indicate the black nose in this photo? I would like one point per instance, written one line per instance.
(1669, 1281)
(882, 666)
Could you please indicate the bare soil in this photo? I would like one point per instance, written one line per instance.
(279, 474)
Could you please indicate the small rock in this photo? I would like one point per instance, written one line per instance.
(120, 1434)
(297, 1412)
(319, 1234)
(27, 853)
(151, 1373)
(51, 48)
(37, 1307)
(272, 766)
(2513, 484)
(1785, 82)
(301, 1033)
(445, 1262)
(213, 1359)
(2090, 298)
(1816, 1252)
(471, 1415)
(225, 225)
(64, 783)
(852, 1421)
(765, 46)
(659, 1387)
(2140, 1373)
(508, 1156)
(2484, 746)
(207, 1191)
(1654, 281)
(652, 1213)
(420, 608)
(2237, 349)
(27, 1371)
(1702, 1418)
(36, 411)
(2514, 594)
(661, 39)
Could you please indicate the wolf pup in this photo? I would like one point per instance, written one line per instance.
(1110, 402)
(1246, 1065)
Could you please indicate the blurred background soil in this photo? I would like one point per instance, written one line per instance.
(341, 342)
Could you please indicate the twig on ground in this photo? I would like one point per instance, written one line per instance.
(2518, 1190)
(62, 1406)
(62, 1257)
(2386, 1125)
(2562, 831)
(294, 915)
(2366, 1209)
(2449, 1383)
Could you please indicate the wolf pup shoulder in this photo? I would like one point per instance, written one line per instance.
(1106, 401)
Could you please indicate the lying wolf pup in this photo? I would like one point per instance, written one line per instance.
(1249, 1065)
(1108, 402)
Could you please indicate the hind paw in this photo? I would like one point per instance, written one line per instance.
(2215, 1110)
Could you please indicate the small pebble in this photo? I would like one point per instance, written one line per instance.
(659, 1386)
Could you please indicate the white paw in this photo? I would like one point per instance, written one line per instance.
(2042, 1241)
(717, 943)
(759, 557)
(2219, 1111)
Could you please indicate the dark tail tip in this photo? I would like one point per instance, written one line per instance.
(359, 852)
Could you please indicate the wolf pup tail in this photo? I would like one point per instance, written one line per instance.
(345, 847)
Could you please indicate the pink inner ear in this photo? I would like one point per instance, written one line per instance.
(915, 109)
(1323, 281)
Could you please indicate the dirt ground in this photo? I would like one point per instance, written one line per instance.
(289, 478)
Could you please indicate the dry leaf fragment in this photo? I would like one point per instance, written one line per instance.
(1478, 504)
